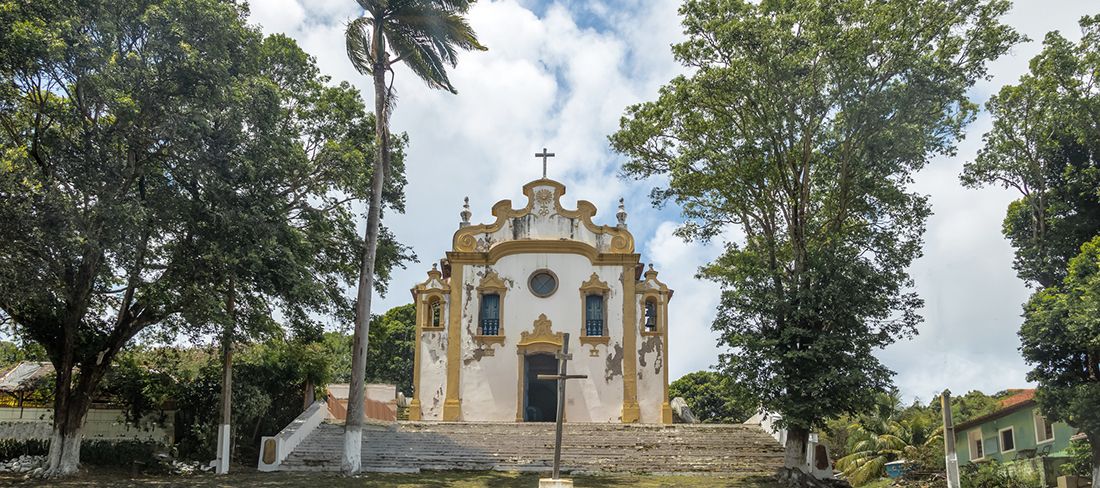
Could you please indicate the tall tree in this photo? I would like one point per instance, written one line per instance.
(426, 35)
(1060, 338)
(1043, 144)
(156, 157)
(801, 125)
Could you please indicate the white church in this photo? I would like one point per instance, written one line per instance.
(495, 310)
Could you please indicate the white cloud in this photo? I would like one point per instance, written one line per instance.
(552, 79)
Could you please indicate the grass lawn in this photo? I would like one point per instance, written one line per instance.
(427, 479)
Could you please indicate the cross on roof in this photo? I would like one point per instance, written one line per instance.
(544, 155)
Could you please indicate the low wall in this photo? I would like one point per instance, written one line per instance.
(99, 424)
(274, 449)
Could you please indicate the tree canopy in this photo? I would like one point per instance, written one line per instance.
(158, 156)
(1060, 338)
(1043, 144)
(714, 397)
(800, 127)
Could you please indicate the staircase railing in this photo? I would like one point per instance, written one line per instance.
(274, 449)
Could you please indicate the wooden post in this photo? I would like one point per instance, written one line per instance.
(952, 457)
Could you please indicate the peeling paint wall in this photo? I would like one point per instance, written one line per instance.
(433, 374)
(651, 364)
(490, 386)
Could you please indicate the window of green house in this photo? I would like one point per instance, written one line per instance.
(1044, 431)
(1008, 439)
(974, 440)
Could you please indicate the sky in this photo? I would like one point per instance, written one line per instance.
(559, 74)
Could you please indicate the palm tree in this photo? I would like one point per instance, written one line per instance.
(426, 35)
(870, 450)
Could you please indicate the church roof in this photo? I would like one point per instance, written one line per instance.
(543, 219)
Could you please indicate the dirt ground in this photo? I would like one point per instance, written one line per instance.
(251, 478)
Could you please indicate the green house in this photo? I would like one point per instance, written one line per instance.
(1017, 431)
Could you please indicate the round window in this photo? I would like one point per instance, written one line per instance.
(543, 283)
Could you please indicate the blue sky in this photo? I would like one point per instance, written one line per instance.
(558, 74)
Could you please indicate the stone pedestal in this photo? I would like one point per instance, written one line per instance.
(553, 483)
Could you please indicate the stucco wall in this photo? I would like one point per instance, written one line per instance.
(489, 384)
(1024, 426)
(100, 423)
(433, 374)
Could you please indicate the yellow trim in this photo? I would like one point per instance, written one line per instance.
(465, 239)
(542, 339)
(452, 406)
(593, 286)
(631, 412)
(509, 248)
(666, 407)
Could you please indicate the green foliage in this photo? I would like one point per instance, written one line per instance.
(12, 353)
(92, 451)
(992, 474)
(973, 404)
(120, 453)
(1043, 144)
(426, 35)
(1080, 454)
(801, 125)
(161, 159)
(13, 448)
(269, 381)
(888, 432)
(714, 397)
(390, 357)
(1060, 338)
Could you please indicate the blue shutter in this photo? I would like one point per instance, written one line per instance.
(490, 314)
(593, 310)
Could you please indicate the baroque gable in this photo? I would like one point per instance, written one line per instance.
(544, 219)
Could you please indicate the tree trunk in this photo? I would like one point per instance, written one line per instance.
(1094, 442)
(68, 416)
(795, 454)
(225, 431)
(308, 396)
(353, 426)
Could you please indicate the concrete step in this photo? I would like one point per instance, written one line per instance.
(414, 446)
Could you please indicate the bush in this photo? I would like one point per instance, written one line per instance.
(13, 448)
(119, 453)
(92, 452)
(992, 474)
(1080, 464)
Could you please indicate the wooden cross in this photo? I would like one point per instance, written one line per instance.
(563, 363)
(544, 155)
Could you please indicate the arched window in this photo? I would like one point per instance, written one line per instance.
(436, 310)
(490, 314)
(593, 315)
(651, 315)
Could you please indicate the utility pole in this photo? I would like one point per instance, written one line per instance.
(952, 457)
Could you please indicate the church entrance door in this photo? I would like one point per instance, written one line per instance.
(540, 397)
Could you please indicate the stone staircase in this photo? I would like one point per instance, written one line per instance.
(592, 448)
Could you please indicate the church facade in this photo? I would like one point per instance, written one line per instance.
(491, 316)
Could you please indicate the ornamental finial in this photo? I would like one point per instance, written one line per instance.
(466, 214)
(621, 215)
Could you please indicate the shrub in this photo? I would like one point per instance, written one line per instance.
(1080, 461)
(992, 474)
(119, 453)
(13, 448)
